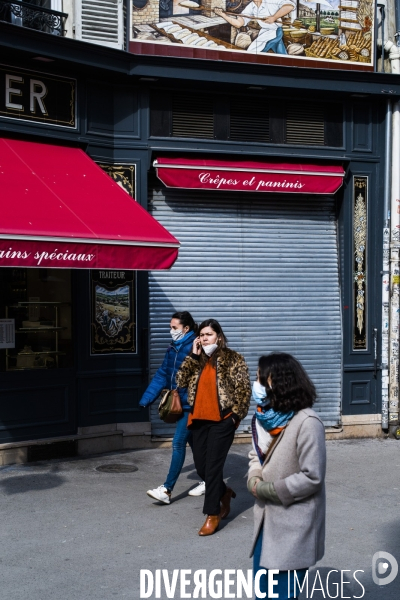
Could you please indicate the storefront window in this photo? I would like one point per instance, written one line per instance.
(35, 319)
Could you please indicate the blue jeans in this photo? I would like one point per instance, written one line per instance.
(276, 44)
(281, 587)
(182, 436)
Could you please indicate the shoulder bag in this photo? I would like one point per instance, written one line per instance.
(170, 407)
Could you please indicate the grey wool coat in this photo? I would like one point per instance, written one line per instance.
(294, 531)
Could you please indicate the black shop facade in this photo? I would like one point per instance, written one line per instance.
(296, 272)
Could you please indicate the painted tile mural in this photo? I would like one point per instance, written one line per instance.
(332, 30)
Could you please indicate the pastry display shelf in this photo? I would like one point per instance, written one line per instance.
(47, 313)
(49, 353)
(60, 353)
(38, 329)
(41, 367)
(39, 303)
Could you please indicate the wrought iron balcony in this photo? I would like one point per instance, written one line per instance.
(33, 16)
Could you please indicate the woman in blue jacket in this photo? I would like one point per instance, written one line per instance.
(183, 332)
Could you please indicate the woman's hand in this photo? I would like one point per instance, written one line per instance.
(196, 349)
(252, 485)
(254, 488)
(235, 420)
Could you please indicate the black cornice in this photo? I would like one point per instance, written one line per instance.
(19, 44)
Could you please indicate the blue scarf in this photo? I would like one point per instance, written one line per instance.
(271, 419)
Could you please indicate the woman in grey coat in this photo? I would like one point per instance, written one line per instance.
(286, 476)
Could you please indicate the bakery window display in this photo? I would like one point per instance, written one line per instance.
(38, 304)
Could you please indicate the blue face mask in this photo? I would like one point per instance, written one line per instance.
(259, 394)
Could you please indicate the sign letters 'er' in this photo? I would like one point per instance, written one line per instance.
(36, 96)
(37, 92)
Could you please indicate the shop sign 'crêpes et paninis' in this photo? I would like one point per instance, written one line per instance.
(248, 176)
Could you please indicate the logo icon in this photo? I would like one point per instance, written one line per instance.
(384, 564)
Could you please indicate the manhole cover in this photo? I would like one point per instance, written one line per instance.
(117, 468)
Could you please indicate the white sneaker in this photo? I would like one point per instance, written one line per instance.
(199, 490)
(161, 494)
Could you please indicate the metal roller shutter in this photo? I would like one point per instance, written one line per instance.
(267, 268)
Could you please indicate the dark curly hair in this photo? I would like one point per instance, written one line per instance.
(291, 387)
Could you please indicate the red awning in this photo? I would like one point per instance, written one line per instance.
(59, 209)
(249, 176)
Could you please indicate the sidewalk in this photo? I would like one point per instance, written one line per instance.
(69, 532)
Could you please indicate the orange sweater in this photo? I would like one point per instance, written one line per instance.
(206, 404)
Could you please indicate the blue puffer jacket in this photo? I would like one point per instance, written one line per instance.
(165, 376)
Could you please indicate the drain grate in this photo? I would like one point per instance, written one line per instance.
(117, 468)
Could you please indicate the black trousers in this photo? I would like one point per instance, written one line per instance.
(211, 443)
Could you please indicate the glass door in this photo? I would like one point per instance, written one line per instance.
(37, 386)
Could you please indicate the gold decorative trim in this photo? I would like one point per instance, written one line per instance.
(124, 175)
(360, 261)
(72, 122)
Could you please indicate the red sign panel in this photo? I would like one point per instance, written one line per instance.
(286, 178)
(70, 255)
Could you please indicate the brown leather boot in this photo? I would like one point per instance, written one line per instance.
(210, 525)
(226, 502)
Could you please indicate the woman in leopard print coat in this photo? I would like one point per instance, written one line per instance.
(218, 385)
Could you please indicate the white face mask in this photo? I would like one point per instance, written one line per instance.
(259, 392)
(210, 349)
(177, 334)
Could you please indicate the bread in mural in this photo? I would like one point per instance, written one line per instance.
(357, 48)
(243, 40)
(296, 50)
